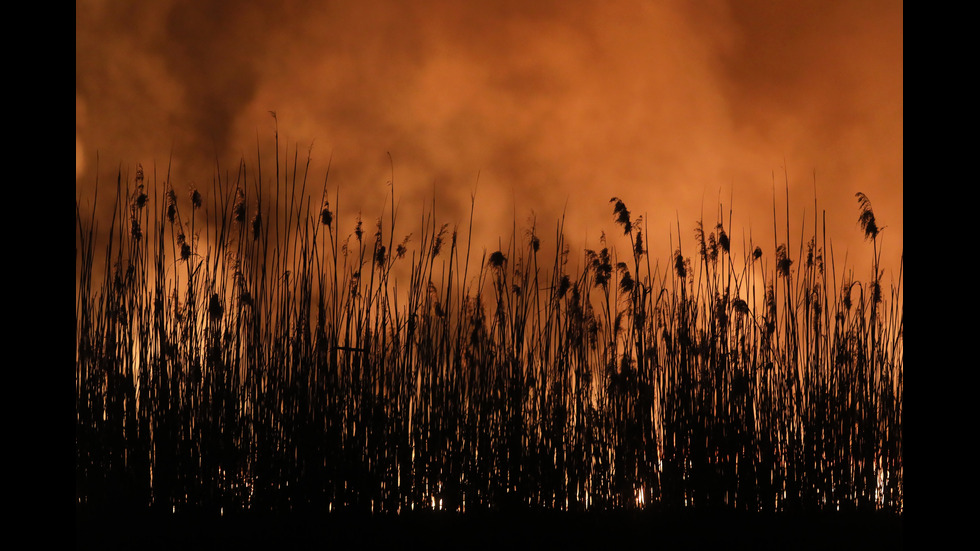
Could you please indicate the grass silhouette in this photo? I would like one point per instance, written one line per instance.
(244, 355)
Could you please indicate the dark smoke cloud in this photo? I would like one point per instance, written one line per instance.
(671, 105)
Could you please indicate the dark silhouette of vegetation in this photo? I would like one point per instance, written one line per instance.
(244, 355)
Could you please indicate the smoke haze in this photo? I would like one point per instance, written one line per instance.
(673, 106)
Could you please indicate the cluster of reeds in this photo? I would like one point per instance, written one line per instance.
(248, 355)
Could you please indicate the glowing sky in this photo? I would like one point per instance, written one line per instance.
(558, 105)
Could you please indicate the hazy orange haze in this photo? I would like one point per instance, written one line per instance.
(558, 106)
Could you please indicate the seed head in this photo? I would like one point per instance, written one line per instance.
(402, 247)
(437, 243)
(497, 259)
(622, 215)
(563, 285)
(603, 267)
(256, 226)
(239, 208)
(171, 205)
(135, 229)
(140, 198)
(723, 239)
(867, 217)
(679, 264)
(817, 305)
(699, 239)
(783, 261)
(626, 282)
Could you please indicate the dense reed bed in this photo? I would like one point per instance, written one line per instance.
(249, 354)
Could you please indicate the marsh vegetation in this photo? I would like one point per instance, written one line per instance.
(248, 353)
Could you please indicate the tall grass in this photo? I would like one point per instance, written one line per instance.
(248, 354)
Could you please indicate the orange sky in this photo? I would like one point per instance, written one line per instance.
(670, 105)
